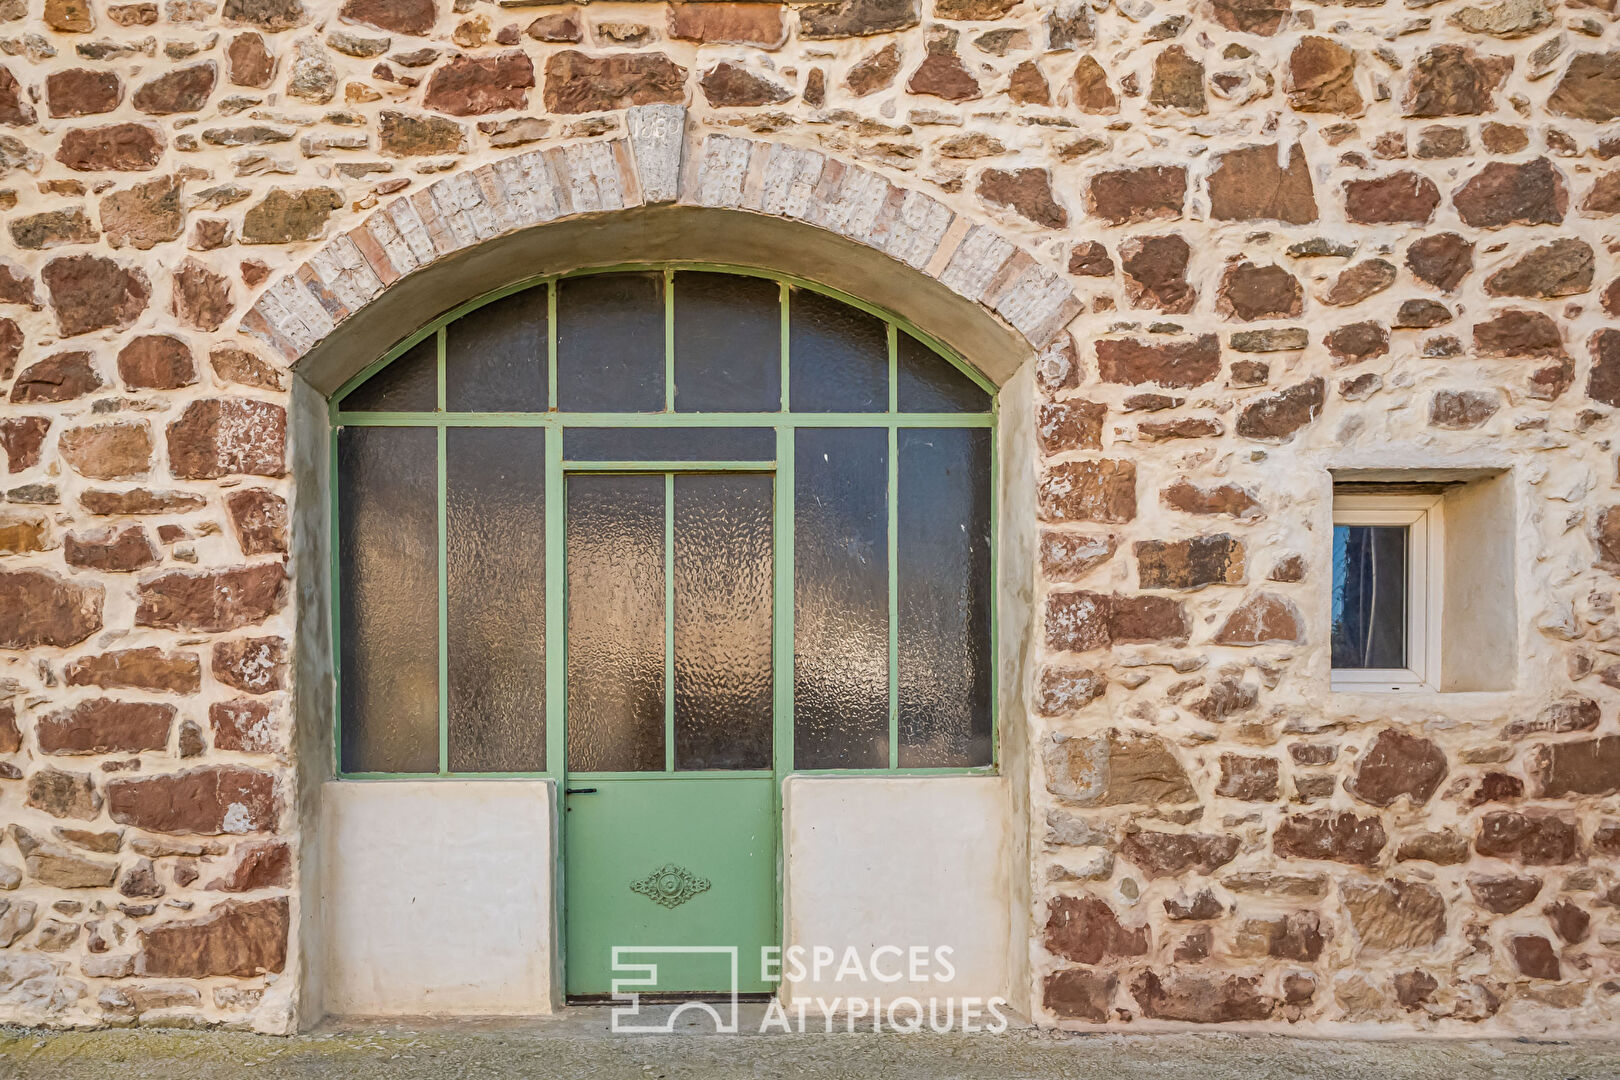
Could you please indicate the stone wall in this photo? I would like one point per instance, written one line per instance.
(1251, 240)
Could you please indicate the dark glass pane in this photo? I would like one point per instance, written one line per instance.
(1369, 596)
(944, 591)
(610, 343)
(615, 623)
(496, 576)
(669, 444)
(410, 383)
(495, 357)
(931, 383)
(838, 356)
(728, 343)
(722, 573)
(841, 599)
(388, 575)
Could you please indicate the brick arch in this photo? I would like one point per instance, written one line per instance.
(593, 196)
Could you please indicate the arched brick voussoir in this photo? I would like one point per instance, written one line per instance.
(658, 162)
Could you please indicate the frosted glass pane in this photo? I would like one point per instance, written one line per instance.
(931, 383)
(496, 578)
(495, 357)
(409, 383)
(841, 599)
(615, 538)
(838, 356)
(610, 343)
(389, 599)
(944, 589)
(669, 444)
(723, 621)
(728, 343)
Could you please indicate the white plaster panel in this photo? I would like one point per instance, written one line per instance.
(437, 897)
(903, 861)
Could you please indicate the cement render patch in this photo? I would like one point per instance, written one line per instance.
(578, 1044)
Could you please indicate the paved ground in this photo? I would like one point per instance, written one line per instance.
(578, 1045)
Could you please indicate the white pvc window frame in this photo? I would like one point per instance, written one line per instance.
(1425, 587)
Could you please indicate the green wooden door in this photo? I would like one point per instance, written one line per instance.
(657, 867)
(670, 808)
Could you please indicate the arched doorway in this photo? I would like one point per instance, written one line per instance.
(665, 535)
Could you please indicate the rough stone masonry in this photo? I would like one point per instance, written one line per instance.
(1247, 238)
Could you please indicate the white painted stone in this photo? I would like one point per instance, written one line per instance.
(447, 201)
(343, 270)
(854, 210)
(486, 220)
(789, 181)
(437, 897)
(903, 861)
(976, 261)
(303, 304)
(658, 138)
(530, 187)
(356, 269)
(1037, 304)
(593, 177)
(383, 230)
(721, 170)
(916, 231)
(294, 314)
(281, 330)
(413, 230)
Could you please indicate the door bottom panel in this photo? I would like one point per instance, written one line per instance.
(676, 876)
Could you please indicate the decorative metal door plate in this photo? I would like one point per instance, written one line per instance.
(670, 885)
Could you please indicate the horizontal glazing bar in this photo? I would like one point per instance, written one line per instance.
(978, 770)
(663, 443)
(444, 776)
(669, 466)
(715, 774)
(691, 420)
(675, 774)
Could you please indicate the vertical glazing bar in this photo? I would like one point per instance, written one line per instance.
(551, 344)
(332, 585)
(438, 366)
(894, 597)
(442, 483)
(444, 606)
(669, 341)
(782, 613)
(782, 606)
(669, 622)
(995, 578)
(556, 610)
(894, 370)
(894, 549)
(785, 307)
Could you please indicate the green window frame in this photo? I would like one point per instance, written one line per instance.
(785, 422)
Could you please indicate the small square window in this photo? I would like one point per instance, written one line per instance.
(1387, 590)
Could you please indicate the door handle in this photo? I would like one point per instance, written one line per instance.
(579, 791)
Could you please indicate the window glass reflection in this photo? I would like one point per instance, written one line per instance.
(1369, 596)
